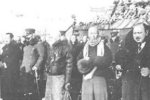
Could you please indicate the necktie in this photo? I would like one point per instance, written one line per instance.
(139, 47)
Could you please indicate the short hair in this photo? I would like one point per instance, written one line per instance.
(10, 34)
(146, 27)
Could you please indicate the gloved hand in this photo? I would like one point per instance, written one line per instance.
(118, 67)
(145, 72)
(34, 68)
(90, 75)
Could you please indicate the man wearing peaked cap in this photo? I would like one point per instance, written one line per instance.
(114, 33)
(29, 31)
(32, 62)
(76, 32)
(62, 35)
(62, 32)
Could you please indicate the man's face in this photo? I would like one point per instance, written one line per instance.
(139, 33)
(62, 37)
(30, 36)
(7, 39)
(93, 33)
(73, 39)
(43, 38)
(22, 40)
(114, 34)
(84, 39)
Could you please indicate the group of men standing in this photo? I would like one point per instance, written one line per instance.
(132, 60)
(65, 62)
(19, 65)
(36, 70)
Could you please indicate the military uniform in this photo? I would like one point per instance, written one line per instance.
(33, 56)
(76, 80)
(42, 71)
(114, 85)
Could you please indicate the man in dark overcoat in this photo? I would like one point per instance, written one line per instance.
(114, 90)
(76, 76)
(11, 57)
(136, 67)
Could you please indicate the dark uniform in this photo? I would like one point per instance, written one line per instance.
(114, 84)
(11, 56)
(114, 47)
(42, 71)
(76, 80)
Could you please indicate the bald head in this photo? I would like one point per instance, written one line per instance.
(93, 32)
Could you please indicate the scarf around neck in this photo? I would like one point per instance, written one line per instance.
(100, 47)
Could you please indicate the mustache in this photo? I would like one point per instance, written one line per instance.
(137, 38)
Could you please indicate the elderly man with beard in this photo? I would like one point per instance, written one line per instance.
(136, 81)
(94, 85)
(59, 69)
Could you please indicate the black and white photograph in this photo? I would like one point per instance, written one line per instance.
(74, 49)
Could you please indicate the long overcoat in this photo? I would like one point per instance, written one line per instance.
(11, 56)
